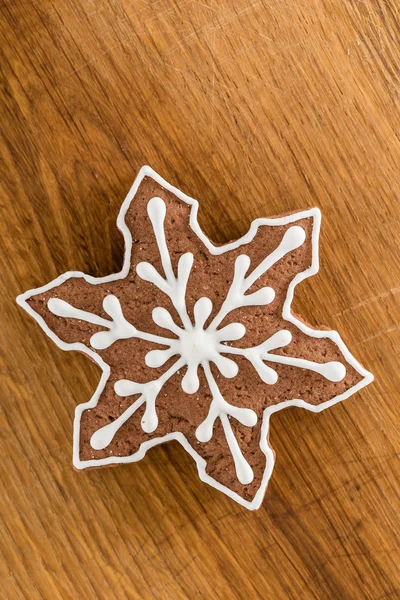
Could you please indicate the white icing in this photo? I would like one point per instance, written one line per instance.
(118, 327)
(194, 344)
(333, 371)
(236, 298)
(148, 394)
(313, 214)
(198, 346)
(244, 472)
(174, 287)
(219, 408)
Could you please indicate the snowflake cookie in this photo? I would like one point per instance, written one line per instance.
(197, 342)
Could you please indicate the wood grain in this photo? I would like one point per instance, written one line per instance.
(255, 108)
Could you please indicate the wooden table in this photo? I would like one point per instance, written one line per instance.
(255, 108)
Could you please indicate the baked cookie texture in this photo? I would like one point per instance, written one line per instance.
(197, 342)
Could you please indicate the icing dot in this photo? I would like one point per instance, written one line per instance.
(294, 237)
(202, 310)
(156, 209)
(261, 297)
(190, 382)
(60, 308)
(162, 318)
(232, 332)
(334, 371)
(242, 263)
(103, 437)
(227, 367)
(125, 387)
(157, 358)
(146, 271)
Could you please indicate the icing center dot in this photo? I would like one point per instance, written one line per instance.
(197, 345)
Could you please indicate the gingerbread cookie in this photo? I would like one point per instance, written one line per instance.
(197, 342)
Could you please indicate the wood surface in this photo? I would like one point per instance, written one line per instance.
(255, 108)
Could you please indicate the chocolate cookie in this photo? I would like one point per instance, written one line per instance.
(197, 342)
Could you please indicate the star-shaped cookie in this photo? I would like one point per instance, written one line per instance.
(197, 342)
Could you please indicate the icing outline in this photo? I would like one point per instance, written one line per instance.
(313, 213)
